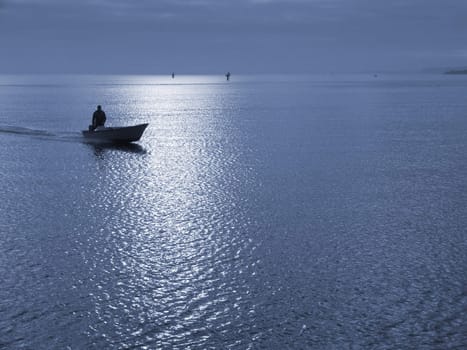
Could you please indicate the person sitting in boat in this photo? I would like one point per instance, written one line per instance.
(98, 118)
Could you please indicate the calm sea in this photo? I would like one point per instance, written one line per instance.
(268, 212)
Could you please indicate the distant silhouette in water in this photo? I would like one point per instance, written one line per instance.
(98, 118)
(173, 75)
(228, 76)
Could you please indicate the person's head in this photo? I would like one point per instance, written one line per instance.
(99, 107)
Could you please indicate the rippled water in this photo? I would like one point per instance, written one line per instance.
(272, 212)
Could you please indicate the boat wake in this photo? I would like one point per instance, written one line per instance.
(41, 134)
(23, 131)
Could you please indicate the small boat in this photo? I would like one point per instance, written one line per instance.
(121, 134)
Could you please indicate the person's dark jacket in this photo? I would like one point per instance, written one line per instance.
(98, 118)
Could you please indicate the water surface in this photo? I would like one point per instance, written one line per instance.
(268, 212)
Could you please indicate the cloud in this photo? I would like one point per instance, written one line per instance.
(262, 31)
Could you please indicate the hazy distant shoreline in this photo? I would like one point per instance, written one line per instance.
(456, 71)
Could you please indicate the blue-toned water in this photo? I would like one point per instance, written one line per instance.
(268, 212)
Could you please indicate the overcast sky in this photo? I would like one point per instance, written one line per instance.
(241, 36)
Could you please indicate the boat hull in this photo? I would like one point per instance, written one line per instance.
(124, 134)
